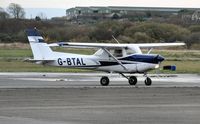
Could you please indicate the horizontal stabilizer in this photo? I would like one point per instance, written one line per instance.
(36, 60)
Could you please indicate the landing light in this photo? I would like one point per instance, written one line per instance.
(157, 66)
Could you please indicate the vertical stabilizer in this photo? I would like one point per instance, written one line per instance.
(39, 48)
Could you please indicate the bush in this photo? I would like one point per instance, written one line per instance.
(193, 38)
(194, 28)
(104, 30)
(52, 35)
(67, 33)
(125, 39)
(5, 38)
(158, 31)
(21, 37)
(140, 37)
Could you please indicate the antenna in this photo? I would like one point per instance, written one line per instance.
(115, 39)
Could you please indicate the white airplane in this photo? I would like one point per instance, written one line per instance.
(117, 58)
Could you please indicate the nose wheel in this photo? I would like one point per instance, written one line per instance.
(148, 81)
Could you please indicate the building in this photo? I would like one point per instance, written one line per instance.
(196, 16)
(95, 12)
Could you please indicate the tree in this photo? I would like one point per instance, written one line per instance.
(42, 16)
(3, 14)
(16, 10)
(37, 18)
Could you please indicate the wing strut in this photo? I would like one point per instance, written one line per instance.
(114, 58)
(150, 50)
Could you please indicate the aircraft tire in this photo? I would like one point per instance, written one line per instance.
(104, 81)
(132, 80)
(148, 81)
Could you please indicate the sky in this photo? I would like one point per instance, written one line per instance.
(58, 7)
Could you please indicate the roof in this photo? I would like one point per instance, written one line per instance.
(166, 9)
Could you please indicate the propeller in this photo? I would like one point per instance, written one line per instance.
(159, 65)
(158, 69)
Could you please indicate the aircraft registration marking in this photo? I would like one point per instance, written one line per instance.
(71, 61)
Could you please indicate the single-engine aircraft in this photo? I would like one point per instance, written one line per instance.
(110, 57)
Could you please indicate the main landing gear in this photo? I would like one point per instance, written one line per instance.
(104, 81)
(132, 80)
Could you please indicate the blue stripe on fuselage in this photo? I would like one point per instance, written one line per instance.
(154, 59)
(111, 63)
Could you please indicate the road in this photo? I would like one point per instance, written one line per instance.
(75, 98)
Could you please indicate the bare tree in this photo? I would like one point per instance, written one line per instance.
(16, 10)
(3, 14)
(42, 16)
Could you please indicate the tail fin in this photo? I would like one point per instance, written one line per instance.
(39, 48)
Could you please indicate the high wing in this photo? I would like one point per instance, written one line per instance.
(152, 45)
(91, 45)
(111, 45)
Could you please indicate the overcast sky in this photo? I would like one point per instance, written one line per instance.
(72, 3)
(61, 5)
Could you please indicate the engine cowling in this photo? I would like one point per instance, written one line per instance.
(143, 67)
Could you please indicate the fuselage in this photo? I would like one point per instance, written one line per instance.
(134, 63)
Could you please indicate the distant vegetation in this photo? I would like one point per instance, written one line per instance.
(155, 29)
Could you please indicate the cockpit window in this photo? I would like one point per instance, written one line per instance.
(129, 51)
(121, 52)
(116, 52)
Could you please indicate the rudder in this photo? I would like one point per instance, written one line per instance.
(39, 48)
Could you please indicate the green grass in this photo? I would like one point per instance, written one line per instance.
(11, 60)
(184, 66)
(177, 54)
(20, 66)
(7, 53)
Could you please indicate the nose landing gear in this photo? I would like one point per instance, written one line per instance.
(147, 81)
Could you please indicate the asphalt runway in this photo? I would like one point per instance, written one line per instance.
(74, 98)
(91, 80)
